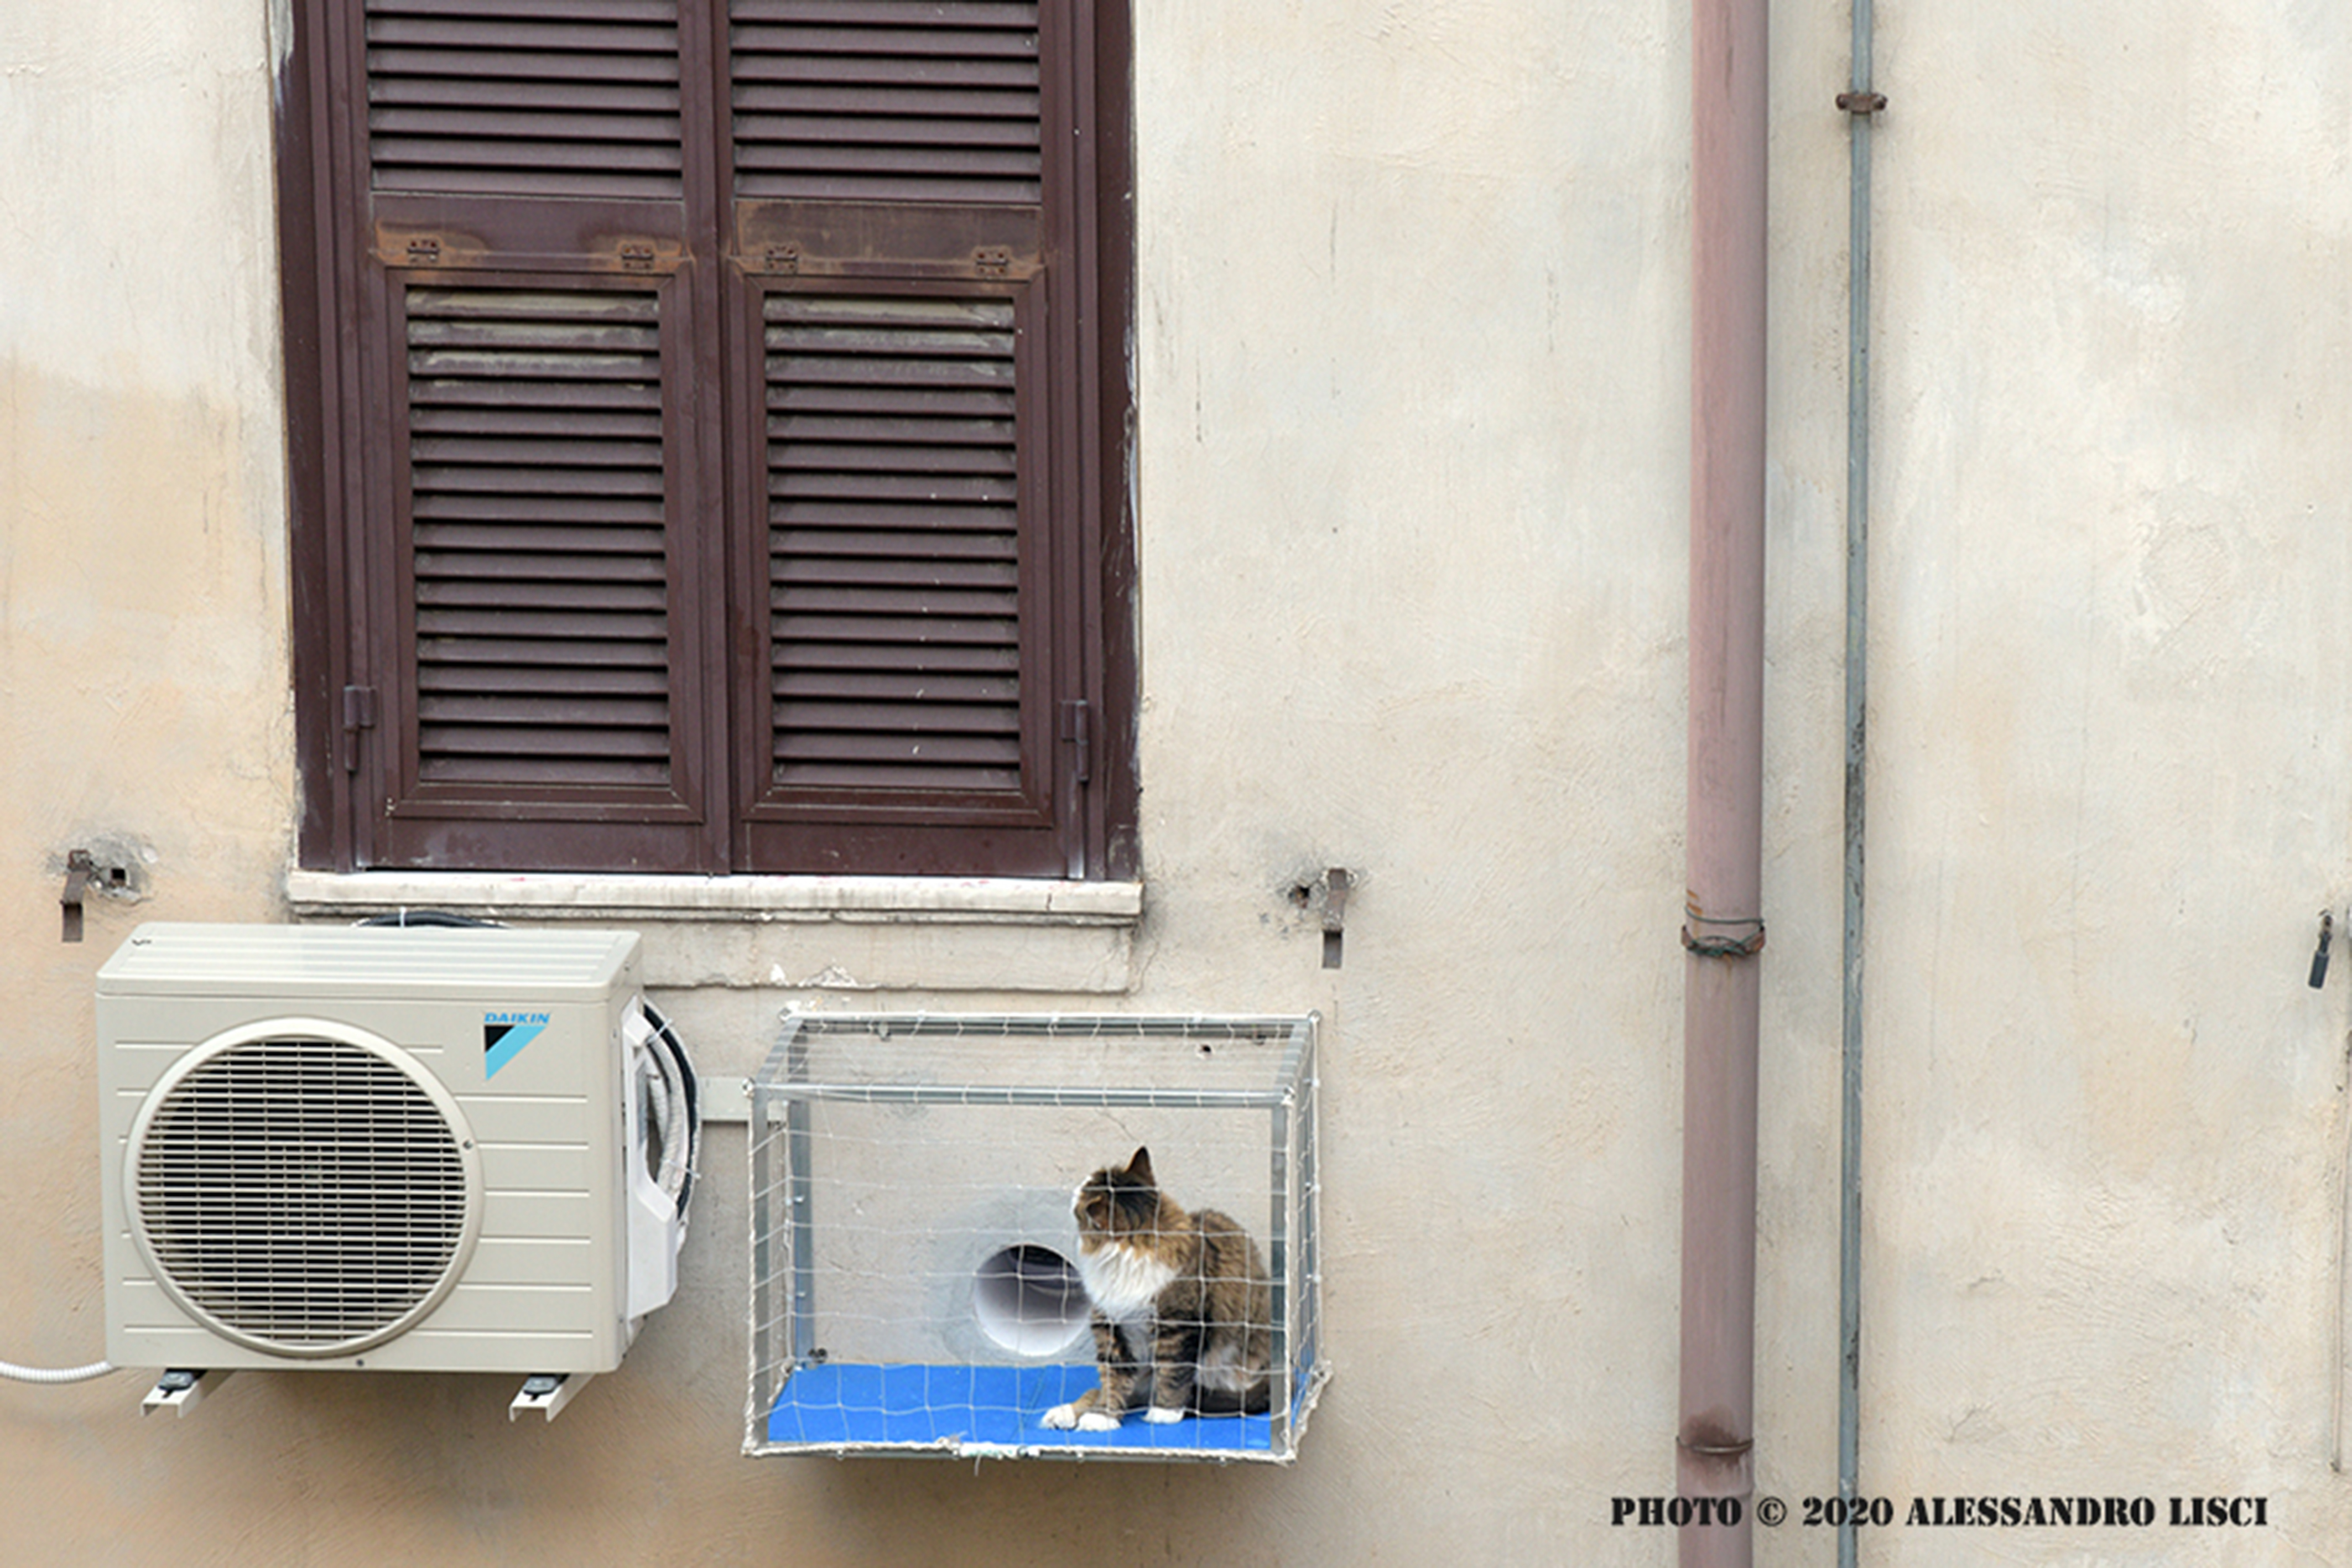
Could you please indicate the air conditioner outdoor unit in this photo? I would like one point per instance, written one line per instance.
(396, 1148)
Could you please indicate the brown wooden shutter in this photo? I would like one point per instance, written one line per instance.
(543, 513)
(713, 441)
(896, 193)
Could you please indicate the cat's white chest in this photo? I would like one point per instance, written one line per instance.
(1123, 1283)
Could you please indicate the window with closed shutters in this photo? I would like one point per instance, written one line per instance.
(717, 457)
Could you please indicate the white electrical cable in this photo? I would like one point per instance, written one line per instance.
(674, 1131)
(10, 1369)
(681, 1131)
(659, 1129)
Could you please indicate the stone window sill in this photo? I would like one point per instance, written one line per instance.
(565, 896)
(859, 934)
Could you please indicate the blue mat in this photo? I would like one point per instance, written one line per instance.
(837, 1405)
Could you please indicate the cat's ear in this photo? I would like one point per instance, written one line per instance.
(1139, 1167)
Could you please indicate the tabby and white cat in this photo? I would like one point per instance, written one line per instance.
(1183, 1305)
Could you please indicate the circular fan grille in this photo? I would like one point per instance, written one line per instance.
(306, 1196)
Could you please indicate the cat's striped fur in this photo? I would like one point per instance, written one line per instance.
(1183, 1305)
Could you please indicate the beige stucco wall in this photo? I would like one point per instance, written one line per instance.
(1410, 355)
(143, 640)
(2109, 1128)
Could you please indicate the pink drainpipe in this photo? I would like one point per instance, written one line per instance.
(1714, 1457)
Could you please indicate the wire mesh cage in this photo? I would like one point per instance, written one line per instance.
(920, 1284)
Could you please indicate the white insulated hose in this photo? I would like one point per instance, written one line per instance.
(10, 1369)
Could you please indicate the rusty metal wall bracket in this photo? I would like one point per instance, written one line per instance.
(1336, 884)
(80, 871)
(1862, 102)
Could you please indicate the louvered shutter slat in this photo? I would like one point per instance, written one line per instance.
(901, 13)
(510, 661)
(455, 561)
(570, 422)
(657, 11)
(590, 541)
(554, 36)
(550, 485)
(886, 687)
(478, 165)
(814, 129)
(592, 608)
(1015, 39)
(564, 404)
(404, 102)
(527, 509)
(814, 544)
(464, 123)
(614, 636)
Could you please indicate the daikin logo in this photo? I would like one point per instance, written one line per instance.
(504, 1035)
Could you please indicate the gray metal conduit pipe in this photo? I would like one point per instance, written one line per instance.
(1724, 846)
(1861, 102)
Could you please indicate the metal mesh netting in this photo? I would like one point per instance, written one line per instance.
(916, 1281)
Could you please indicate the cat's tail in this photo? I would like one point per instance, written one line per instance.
(1256, 1400)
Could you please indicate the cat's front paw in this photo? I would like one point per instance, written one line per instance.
(1161, 1415)
(1063, 1418)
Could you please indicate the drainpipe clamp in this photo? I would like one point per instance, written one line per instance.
(1707, 945)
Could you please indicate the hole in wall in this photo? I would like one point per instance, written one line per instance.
(1028, 1300)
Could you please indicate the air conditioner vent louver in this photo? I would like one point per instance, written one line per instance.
(305, 1197)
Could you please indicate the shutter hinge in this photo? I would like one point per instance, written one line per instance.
(1078, 729)
(424, 251)
(359, 714)
(992, 260)
(637, 255)
(783, 257)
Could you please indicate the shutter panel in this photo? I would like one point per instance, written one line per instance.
(542, 634)
(544, 98)
(887, 100)
(896, 184)
(894, 508)
(538, 486)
